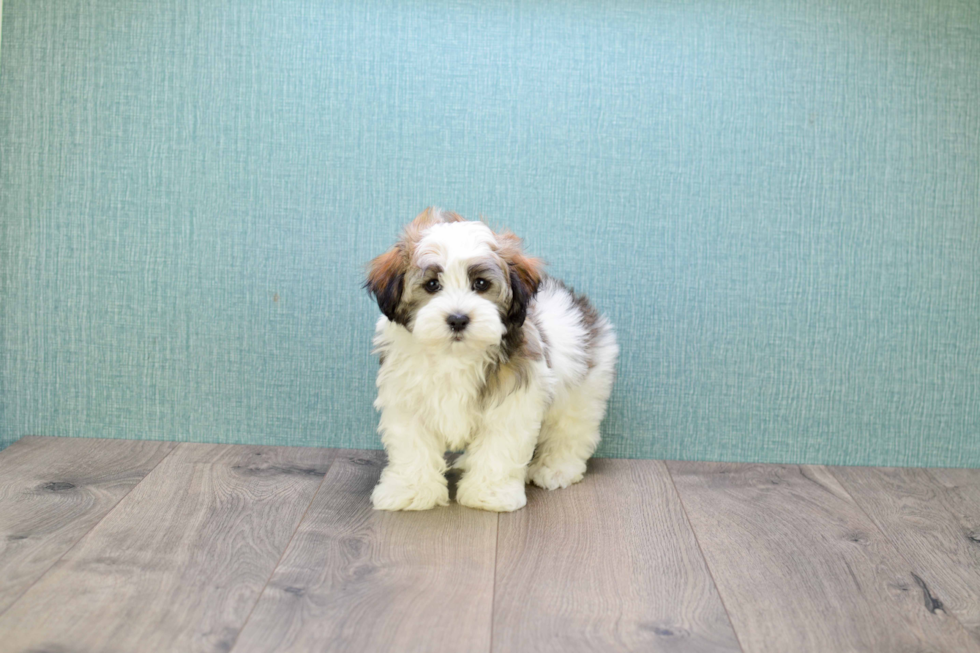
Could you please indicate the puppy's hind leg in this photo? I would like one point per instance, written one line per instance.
(569, 435)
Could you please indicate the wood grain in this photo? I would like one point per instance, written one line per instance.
(53, 491)
(609, 564)
(801, 567)
(933, 519)
(355, 579)
(110, 545)
(180, 561)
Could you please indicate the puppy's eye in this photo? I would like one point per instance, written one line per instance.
(481, 285)
(432, 286)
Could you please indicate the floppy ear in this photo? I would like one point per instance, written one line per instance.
(385, 278)
(524, 273)
(386, 274)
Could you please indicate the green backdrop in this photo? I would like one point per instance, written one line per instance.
(778, 204)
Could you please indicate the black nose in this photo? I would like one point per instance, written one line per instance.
(457, 322)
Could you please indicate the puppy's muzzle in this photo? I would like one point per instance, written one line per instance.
(457, 322)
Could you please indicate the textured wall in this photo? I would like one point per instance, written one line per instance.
(776, 202)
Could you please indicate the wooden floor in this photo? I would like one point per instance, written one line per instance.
(118, 546)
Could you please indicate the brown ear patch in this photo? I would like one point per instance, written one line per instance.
(525, 276)
(386, 278)
(386, 273)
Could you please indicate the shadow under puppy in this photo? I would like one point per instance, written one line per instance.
(481, 352)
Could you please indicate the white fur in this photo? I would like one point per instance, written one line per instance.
(432, 389)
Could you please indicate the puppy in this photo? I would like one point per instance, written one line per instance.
(480, 352)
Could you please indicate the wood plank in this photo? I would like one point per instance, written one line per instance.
(356, 579)
(180, 561)
(933, 519)
(53, 491)
(801, 567)
(609, 564)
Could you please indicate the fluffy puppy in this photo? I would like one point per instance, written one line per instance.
(480, 352)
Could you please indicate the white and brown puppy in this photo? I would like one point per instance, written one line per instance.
(480, 352)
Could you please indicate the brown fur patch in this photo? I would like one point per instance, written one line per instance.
(590, 320)
(527, 268)
(385, 279)
(511, 370)
(503, 378)
(382, 268)
(545, 346)
(524, 277)
(386, 273)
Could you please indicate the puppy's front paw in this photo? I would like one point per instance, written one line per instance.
(552, 474)
(498, 496)
(392, 494)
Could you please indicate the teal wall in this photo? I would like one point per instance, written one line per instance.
(778, 203)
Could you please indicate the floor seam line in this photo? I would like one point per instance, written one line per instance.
(282, 555)
(707, 565)
(89, 531)
(493, 598)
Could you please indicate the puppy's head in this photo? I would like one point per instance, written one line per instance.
(454, 283)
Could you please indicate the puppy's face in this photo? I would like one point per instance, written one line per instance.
(454, 284)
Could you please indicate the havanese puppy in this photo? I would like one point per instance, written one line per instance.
(481, 352)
